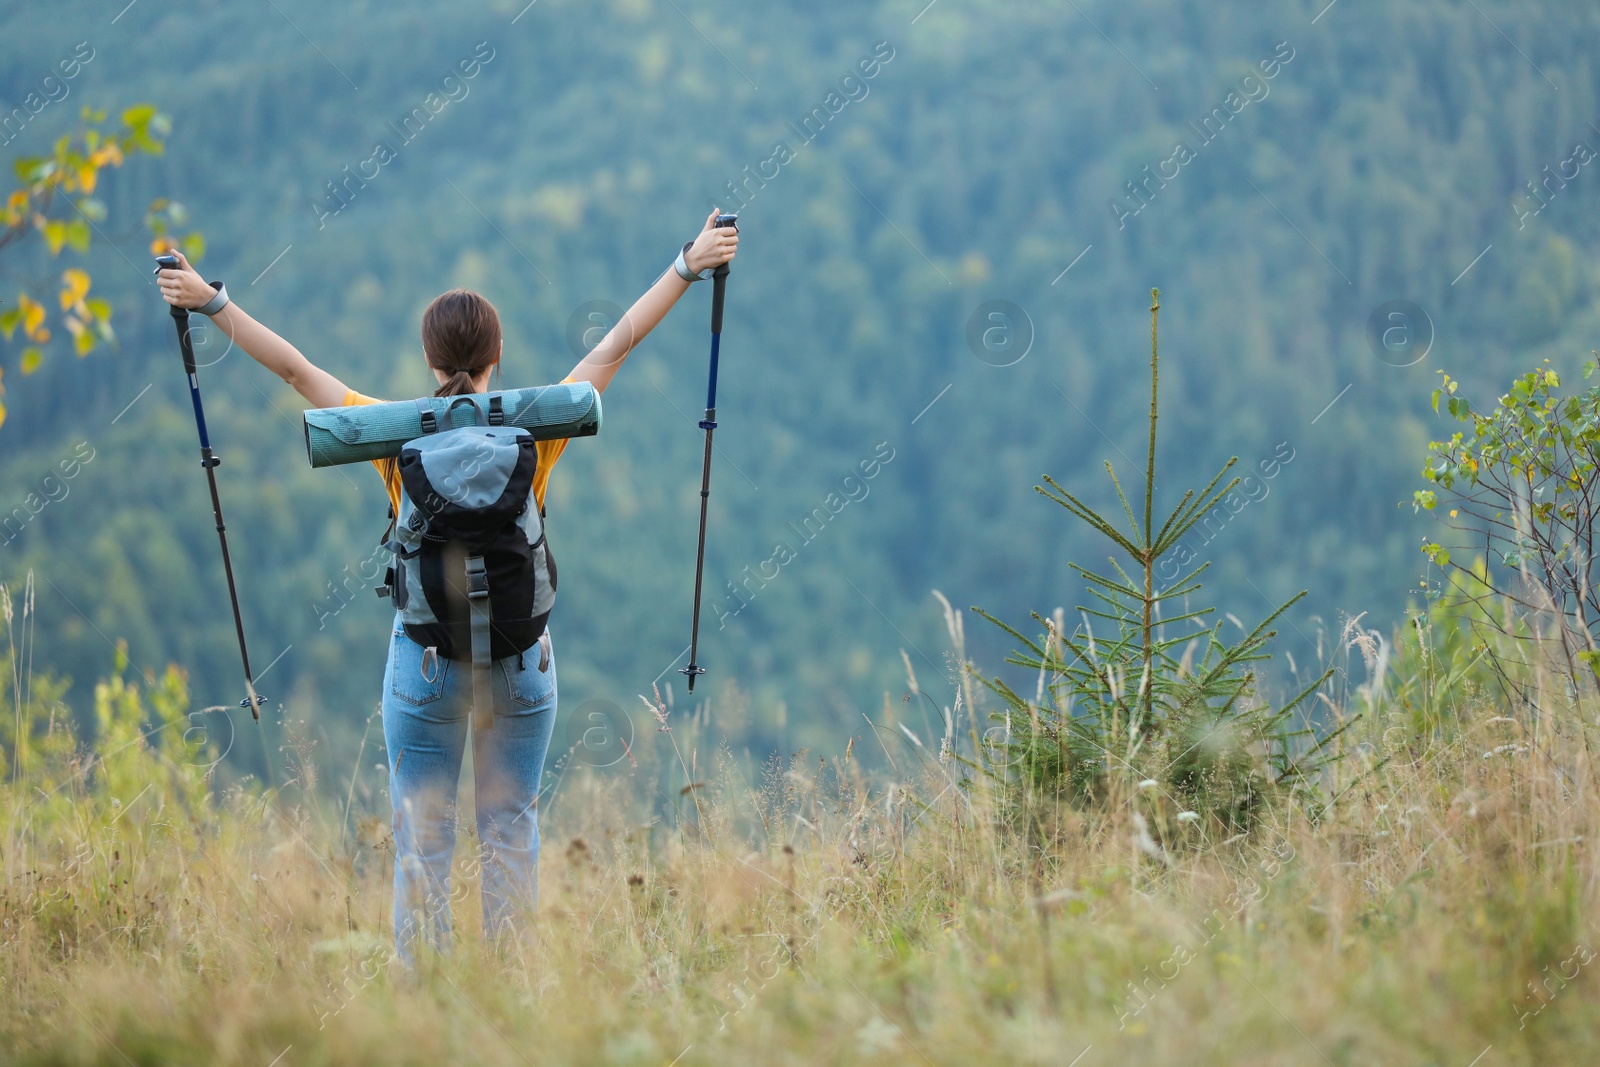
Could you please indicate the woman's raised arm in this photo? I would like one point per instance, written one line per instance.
(185, 288)
(711, 248)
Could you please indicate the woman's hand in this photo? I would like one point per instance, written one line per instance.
(184, 287)
(712, 248)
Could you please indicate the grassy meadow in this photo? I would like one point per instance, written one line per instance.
(1429, 900)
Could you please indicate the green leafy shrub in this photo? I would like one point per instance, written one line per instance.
(148, 745)
(1520, 484)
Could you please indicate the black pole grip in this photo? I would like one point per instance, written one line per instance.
(719, 289)
(180, 317)
(719, 283)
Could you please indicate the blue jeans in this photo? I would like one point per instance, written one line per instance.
(427, 703)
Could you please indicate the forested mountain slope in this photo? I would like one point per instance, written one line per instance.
(1279, 173)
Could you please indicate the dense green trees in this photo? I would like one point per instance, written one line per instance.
(1397, 144)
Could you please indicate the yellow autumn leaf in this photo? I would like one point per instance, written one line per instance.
(160, 246)
(88, 174)
(110, 154)
(75, 286)
(31, 358)
(32, 314)
(83, 343)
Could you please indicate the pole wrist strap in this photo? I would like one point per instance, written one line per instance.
(217, 301)
(681, 265)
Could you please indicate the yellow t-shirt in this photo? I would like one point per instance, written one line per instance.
(549, 452)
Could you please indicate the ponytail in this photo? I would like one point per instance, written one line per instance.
(458, 384)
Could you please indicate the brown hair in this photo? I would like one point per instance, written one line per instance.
(461, 337)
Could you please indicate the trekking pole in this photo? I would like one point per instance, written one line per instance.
(209, 460)
(719, 288)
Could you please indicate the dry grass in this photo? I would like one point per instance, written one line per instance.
(821, 913)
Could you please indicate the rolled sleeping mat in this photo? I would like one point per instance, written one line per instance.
(376, 431)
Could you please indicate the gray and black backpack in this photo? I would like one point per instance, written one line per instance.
(473, 577)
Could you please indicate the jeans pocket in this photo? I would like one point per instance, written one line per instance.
(529, 686)
(417, 675)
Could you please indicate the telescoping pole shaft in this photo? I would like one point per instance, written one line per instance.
(719, 288)
(209, 460)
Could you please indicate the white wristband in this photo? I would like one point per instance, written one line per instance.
(681, 265)
(217, 302)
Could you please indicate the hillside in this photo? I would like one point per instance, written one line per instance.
(1000, 151)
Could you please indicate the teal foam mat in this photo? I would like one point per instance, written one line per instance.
(376, 431)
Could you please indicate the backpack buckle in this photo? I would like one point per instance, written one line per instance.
(497, 414)
(477, 578)
(430, 421)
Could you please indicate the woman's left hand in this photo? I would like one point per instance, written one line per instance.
(713, 247)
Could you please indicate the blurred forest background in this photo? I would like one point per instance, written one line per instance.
(1389, 157)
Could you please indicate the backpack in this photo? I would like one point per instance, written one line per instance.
(473, 578)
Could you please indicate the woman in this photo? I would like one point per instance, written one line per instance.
(425, 713)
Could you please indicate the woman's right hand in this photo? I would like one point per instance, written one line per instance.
(183, 287)
(713, 247)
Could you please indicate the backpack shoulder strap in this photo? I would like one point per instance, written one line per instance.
(387, 588)
(478, 608)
